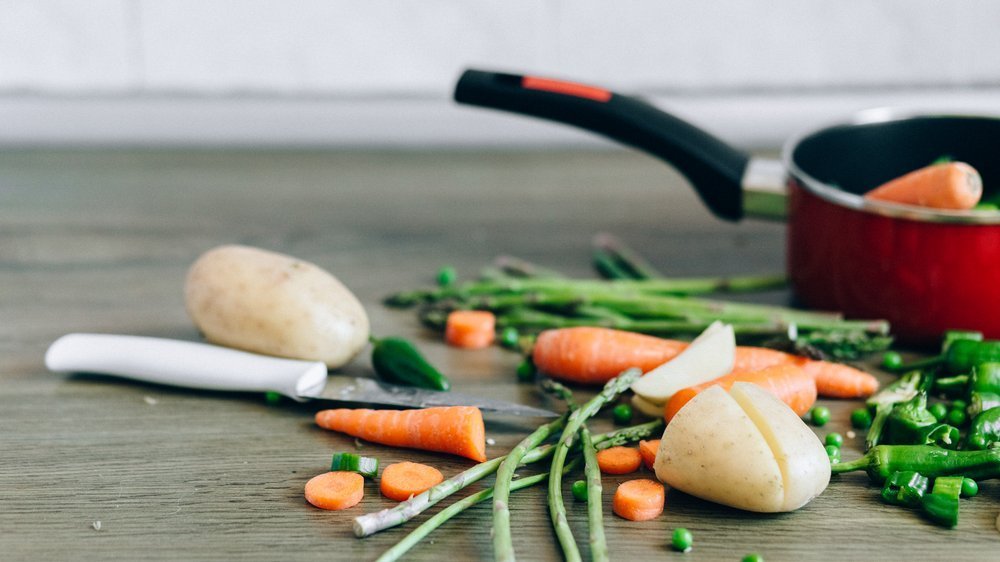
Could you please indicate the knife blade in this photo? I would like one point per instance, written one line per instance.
(210, 367)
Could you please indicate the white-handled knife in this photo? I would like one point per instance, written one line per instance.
(210, 367)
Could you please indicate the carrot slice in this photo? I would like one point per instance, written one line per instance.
(793, 385)
(403, 480)
(951, 185)
(471, 329)
(458, 430)
(648, 449)
(335, 490)
(639, 500)
(619, 460)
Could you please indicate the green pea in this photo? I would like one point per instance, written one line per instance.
(959, 404)
(957, 417)
(622, 414)
(835, 439)
(969, 487)
(682, 539)
(819, 415)
(580, 490)
(272, 398)
(861, 418)
(891, 361)
(526, 371)
(446, 276)
(938, 410)
(509, 337)
(833, 452)
(753, 558)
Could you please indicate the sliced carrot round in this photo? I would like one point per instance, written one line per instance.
(619, 460)
(403, 480)
(471, 329)
(648, 449)
(335, 490)
(639, 500)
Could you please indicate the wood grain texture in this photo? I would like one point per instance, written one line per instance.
(100, 241)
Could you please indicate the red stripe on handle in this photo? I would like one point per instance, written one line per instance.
(567, 88)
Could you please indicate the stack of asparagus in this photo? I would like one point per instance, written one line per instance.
(634, 296)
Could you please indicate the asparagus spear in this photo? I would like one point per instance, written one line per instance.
(503, 547)
(609, 248)
(557, 510)
(372, 523)
(598, 546)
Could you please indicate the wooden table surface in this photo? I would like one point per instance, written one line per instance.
(99, 241)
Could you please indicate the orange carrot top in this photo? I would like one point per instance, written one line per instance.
(458, 430)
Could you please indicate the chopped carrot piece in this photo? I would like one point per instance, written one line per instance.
(619, 460)
(458, 430)
(403, 480)
(639, 500)
(471, 329)
(648, 450)
(335, 490)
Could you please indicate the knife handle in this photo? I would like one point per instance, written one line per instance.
(185, 364)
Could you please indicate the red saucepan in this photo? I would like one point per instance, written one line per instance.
(926, 271)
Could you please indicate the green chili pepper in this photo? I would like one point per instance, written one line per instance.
(951, 385)
(941, 505)
(884, 460)
(979, 402)
(398, 362)
(883, 402)
(910, 423)
(985, 430)
(963, 355)
(951, 336)
(985, 377)
(905, 488)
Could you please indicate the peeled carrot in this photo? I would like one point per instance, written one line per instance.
(335, 490)
(619, 460)
(639, 500)
(595, 355)
(403, 480)
(471, 329)
(951, 185)
(790, 383)
(457, 430)
(648, 450)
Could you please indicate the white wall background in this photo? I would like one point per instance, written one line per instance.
(380, 72)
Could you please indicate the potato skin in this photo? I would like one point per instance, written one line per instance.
(274, 304)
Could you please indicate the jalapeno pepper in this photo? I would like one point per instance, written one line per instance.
(884, 460)
(398, 362)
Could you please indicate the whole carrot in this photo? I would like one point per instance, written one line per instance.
(595, 355)
(458, 430)
(951, 185)
(790, 383)
(592, 355)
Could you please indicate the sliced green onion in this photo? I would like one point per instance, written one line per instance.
(350, 462)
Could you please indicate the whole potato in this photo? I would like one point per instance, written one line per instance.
(270, 303)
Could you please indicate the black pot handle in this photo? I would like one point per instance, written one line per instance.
(714, 168)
